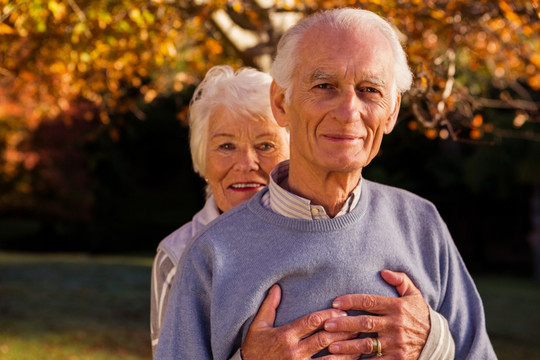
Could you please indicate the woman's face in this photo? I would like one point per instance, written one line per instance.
(240, 154)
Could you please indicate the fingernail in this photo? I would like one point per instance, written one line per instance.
(329, 325)
(334, 348)
(337, 303)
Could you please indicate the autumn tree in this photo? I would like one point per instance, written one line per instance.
(53, 52)
(67, 60)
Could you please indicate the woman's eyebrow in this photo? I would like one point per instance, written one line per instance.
(217, 135)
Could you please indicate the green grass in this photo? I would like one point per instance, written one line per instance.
(77, 307)
(74, 307)
(512, 315)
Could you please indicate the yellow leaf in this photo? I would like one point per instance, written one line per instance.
(475, 134)
(534, 82)
(535, 59)
(237, 7)
(57, 9)
(504, 6)
(438, 14)
(477, 121)
(214, 46)
(6, 29)
(412, 125)
(431, 133)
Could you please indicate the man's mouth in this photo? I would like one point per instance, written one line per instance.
(341, 137)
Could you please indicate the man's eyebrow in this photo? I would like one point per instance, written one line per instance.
(321, 75)
(375, 80)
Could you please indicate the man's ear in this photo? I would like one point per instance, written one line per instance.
(392, 119)
(277, 102)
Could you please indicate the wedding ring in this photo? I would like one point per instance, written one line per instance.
(376, 346)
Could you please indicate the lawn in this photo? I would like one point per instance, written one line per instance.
(78, 307)
(74, 307)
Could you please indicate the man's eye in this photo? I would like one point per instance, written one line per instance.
(323, 86)
(369, 90)
(265, 146)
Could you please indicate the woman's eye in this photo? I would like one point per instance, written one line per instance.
(227, 146)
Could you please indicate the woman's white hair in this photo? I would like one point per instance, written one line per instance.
(349, 19)
(244, 92)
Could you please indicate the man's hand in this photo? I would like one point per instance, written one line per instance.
(300, 339)
(402, 323)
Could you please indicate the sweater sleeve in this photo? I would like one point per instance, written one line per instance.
(440, 343)
(462, 307)
(163, 271)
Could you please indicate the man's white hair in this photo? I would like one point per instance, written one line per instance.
(286, 61)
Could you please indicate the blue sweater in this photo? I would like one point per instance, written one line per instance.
(225, 274)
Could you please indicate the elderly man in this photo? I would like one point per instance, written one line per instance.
(320, 230)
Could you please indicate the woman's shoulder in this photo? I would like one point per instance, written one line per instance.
(175, 243)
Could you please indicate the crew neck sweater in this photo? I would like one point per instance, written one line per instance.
(229, 267)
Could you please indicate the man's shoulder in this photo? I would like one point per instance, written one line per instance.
(395, 195)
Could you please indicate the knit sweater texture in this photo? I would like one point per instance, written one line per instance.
(229, 267)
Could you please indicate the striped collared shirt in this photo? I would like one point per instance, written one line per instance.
(290, 205)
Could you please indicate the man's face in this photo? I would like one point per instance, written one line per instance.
(341, 102)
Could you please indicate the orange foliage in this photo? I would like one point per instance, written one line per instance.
(114, 55)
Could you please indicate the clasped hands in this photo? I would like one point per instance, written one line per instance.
(402, 325)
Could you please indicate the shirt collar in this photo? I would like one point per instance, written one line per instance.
(290, 205)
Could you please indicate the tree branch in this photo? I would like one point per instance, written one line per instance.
(6, 15)
(509, 104)
(80, 15)
(449, 82)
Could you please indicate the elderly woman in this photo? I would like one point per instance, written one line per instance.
(235, 142)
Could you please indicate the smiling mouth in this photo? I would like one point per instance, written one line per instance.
(342, 137)
(247, 186)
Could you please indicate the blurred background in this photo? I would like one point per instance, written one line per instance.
(95, 167)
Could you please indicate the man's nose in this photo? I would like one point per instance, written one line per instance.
(246, 160)
(348, 107)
